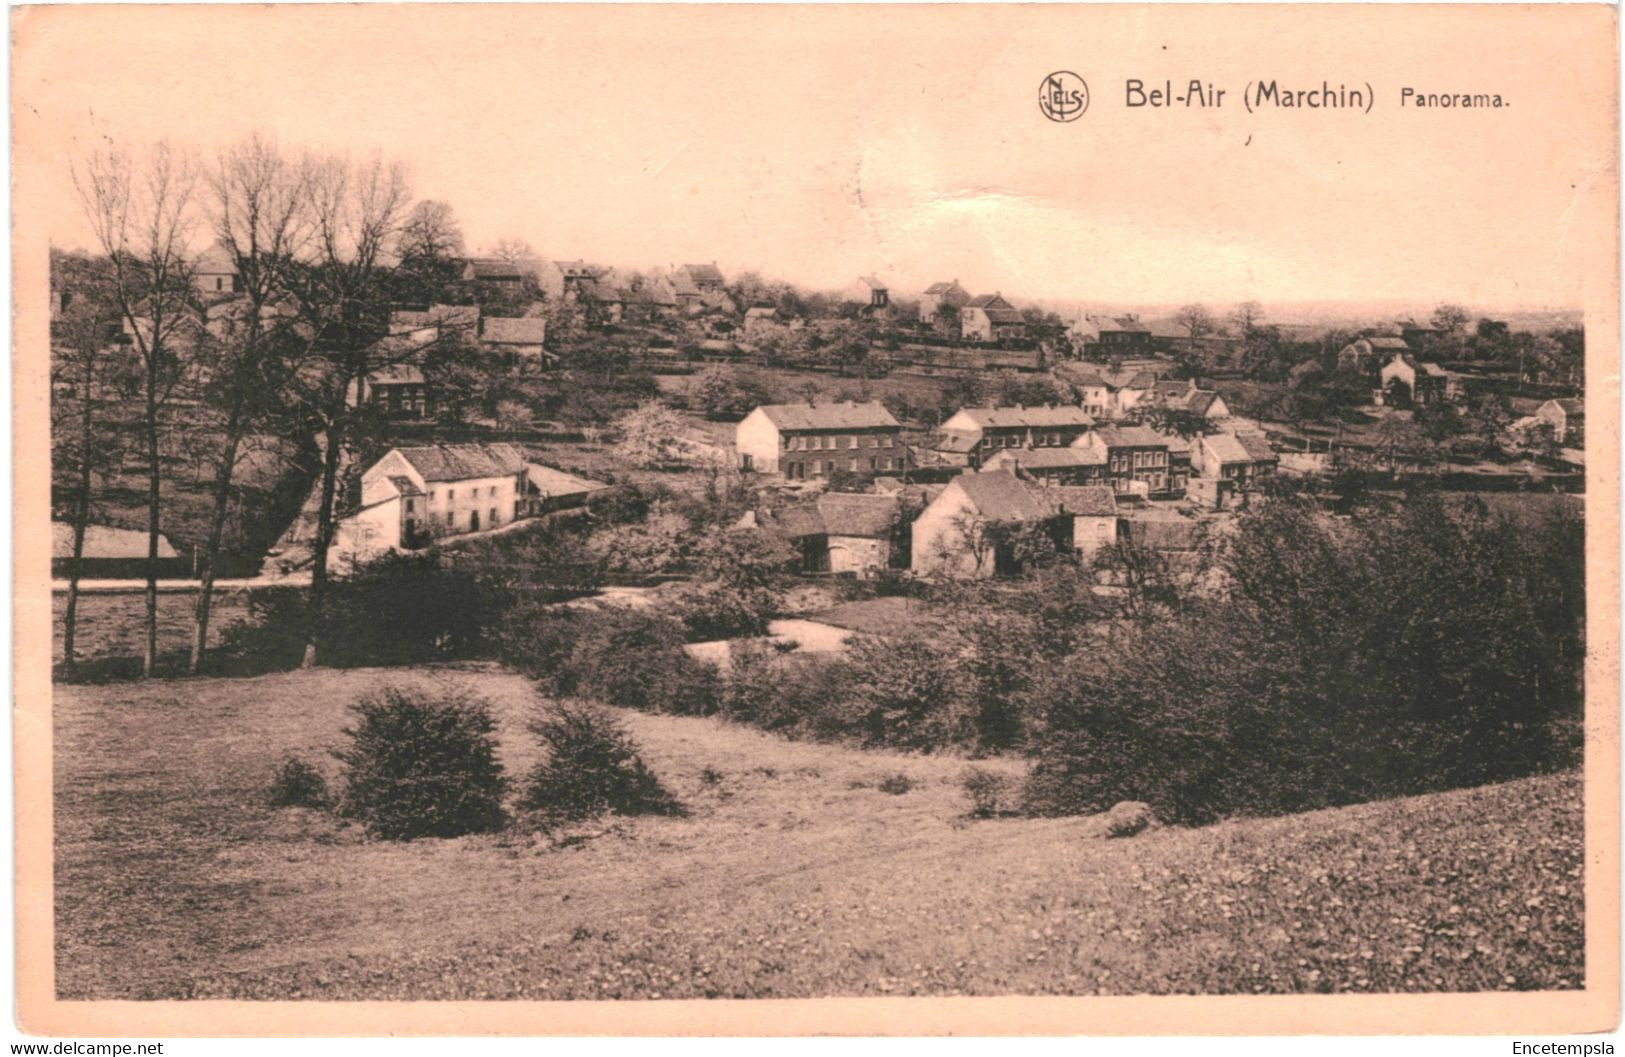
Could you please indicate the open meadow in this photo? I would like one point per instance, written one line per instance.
(793, 873)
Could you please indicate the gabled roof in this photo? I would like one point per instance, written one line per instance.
(1131, 437)
(526, 330)
(849, 514)
(1226, 447)
(551, 482)
(1085, 500)
(871, 282)
(1569, 404)
(105, 541)
(1172, 387)
(761, 312)
(938, 289)
(404, 485)
(996, 308)
(1387, 344)
(1043, 458)
(1257, 447)
(704, 273)
(842, 415)
(1200, 401)
(958, 442)
(1027, 417)
(594, 290)
(999, 495)
(216, 260)
(396, 374)
(1165, 534)
(460, 462)
(496, 268)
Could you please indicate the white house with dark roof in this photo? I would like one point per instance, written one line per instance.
(803, 441)
(414, 494)
(1240, 458)
(868, 292)
(938, 296)
(214, 273)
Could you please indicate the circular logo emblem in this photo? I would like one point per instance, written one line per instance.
(1063, 96)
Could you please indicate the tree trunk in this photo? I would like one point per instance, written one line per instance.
(149, 653)
(81, 519)
(324, 539)
(217, 527)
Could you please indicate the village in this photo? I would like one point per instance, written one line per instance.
(1129, 432)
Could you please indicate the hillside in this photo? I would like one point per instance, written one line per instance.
(793, 875)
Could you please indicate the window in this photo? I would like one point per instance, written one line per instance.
(432, 495)
(788, 440)
(410, 507)
(493, 517)
(874, 463)
(885, 442)
(852, 464)
(451, 493)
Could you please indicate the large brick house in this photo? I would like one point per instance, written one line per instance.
(992, 429)
(803, 441)
(1137, 459)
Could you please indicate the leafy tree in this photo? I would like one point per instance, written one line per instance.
(649, 434)
(1197, 321)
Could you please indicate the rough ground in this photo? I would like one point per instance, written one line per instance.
(794, 875)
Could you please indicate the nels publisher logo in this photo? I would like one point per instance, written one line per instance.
(1063, 96)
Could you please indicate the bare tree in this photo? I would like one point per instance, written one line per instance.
(84, 367)
(259, 220)
(355, 211)
(142, 214)
(429, 232)
(514, 250)
(1197, 321)
(1246, 317)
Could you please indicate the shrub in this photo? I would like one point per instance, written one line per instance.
(636, 660)
(592, 768)
(905, 693)
(896, 784)
(713, 610)
(988, 792)
(422, 766)
(298, 784)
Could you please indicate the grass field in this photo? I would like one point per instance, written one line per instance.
(113, 625)
(794, 874)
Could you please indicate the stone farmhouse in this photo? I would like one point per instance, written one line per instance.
(965, 530)
(990, 318)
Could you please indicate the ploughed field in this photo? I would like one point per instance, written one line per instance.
(793, 875)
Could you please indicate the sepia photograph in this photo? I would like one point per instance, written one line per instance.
(1029, 512)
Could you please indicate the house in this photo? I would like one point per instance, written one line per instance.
(415, 494)
(399, 390)
(1405, 381)
(545, 490)
(519, 341)
(960, 532)
(1092, 511)
(1123, 337)
(1184, 395)
(802, 441)
(760, 321)
(1068, 466)
(868, 293)
(1096, 395)
(603, 303)
(1566, 416)
(843, 532)
(1137, 459)
(996, 428)
(705, 278)
(654, 300)
(558, 280)
(1239, 458)
(112, 553)
(990, 318)
(1366, 354)
(940, 296)
(498, 272)
(214, 273)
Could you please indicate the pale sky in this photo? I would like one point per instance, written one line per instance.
(820, 144)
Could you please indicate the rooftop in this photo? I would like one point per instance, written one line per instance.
(1019, 416)
(840, 415)
(460, 462)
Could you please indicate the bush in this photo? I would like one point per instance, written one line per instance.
(1348, 661)
(896, 784)
(713, 610)
(592, 768)
(636, 660)
(988, 792)
(422, 766)
(298, 784)
(402, 609)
